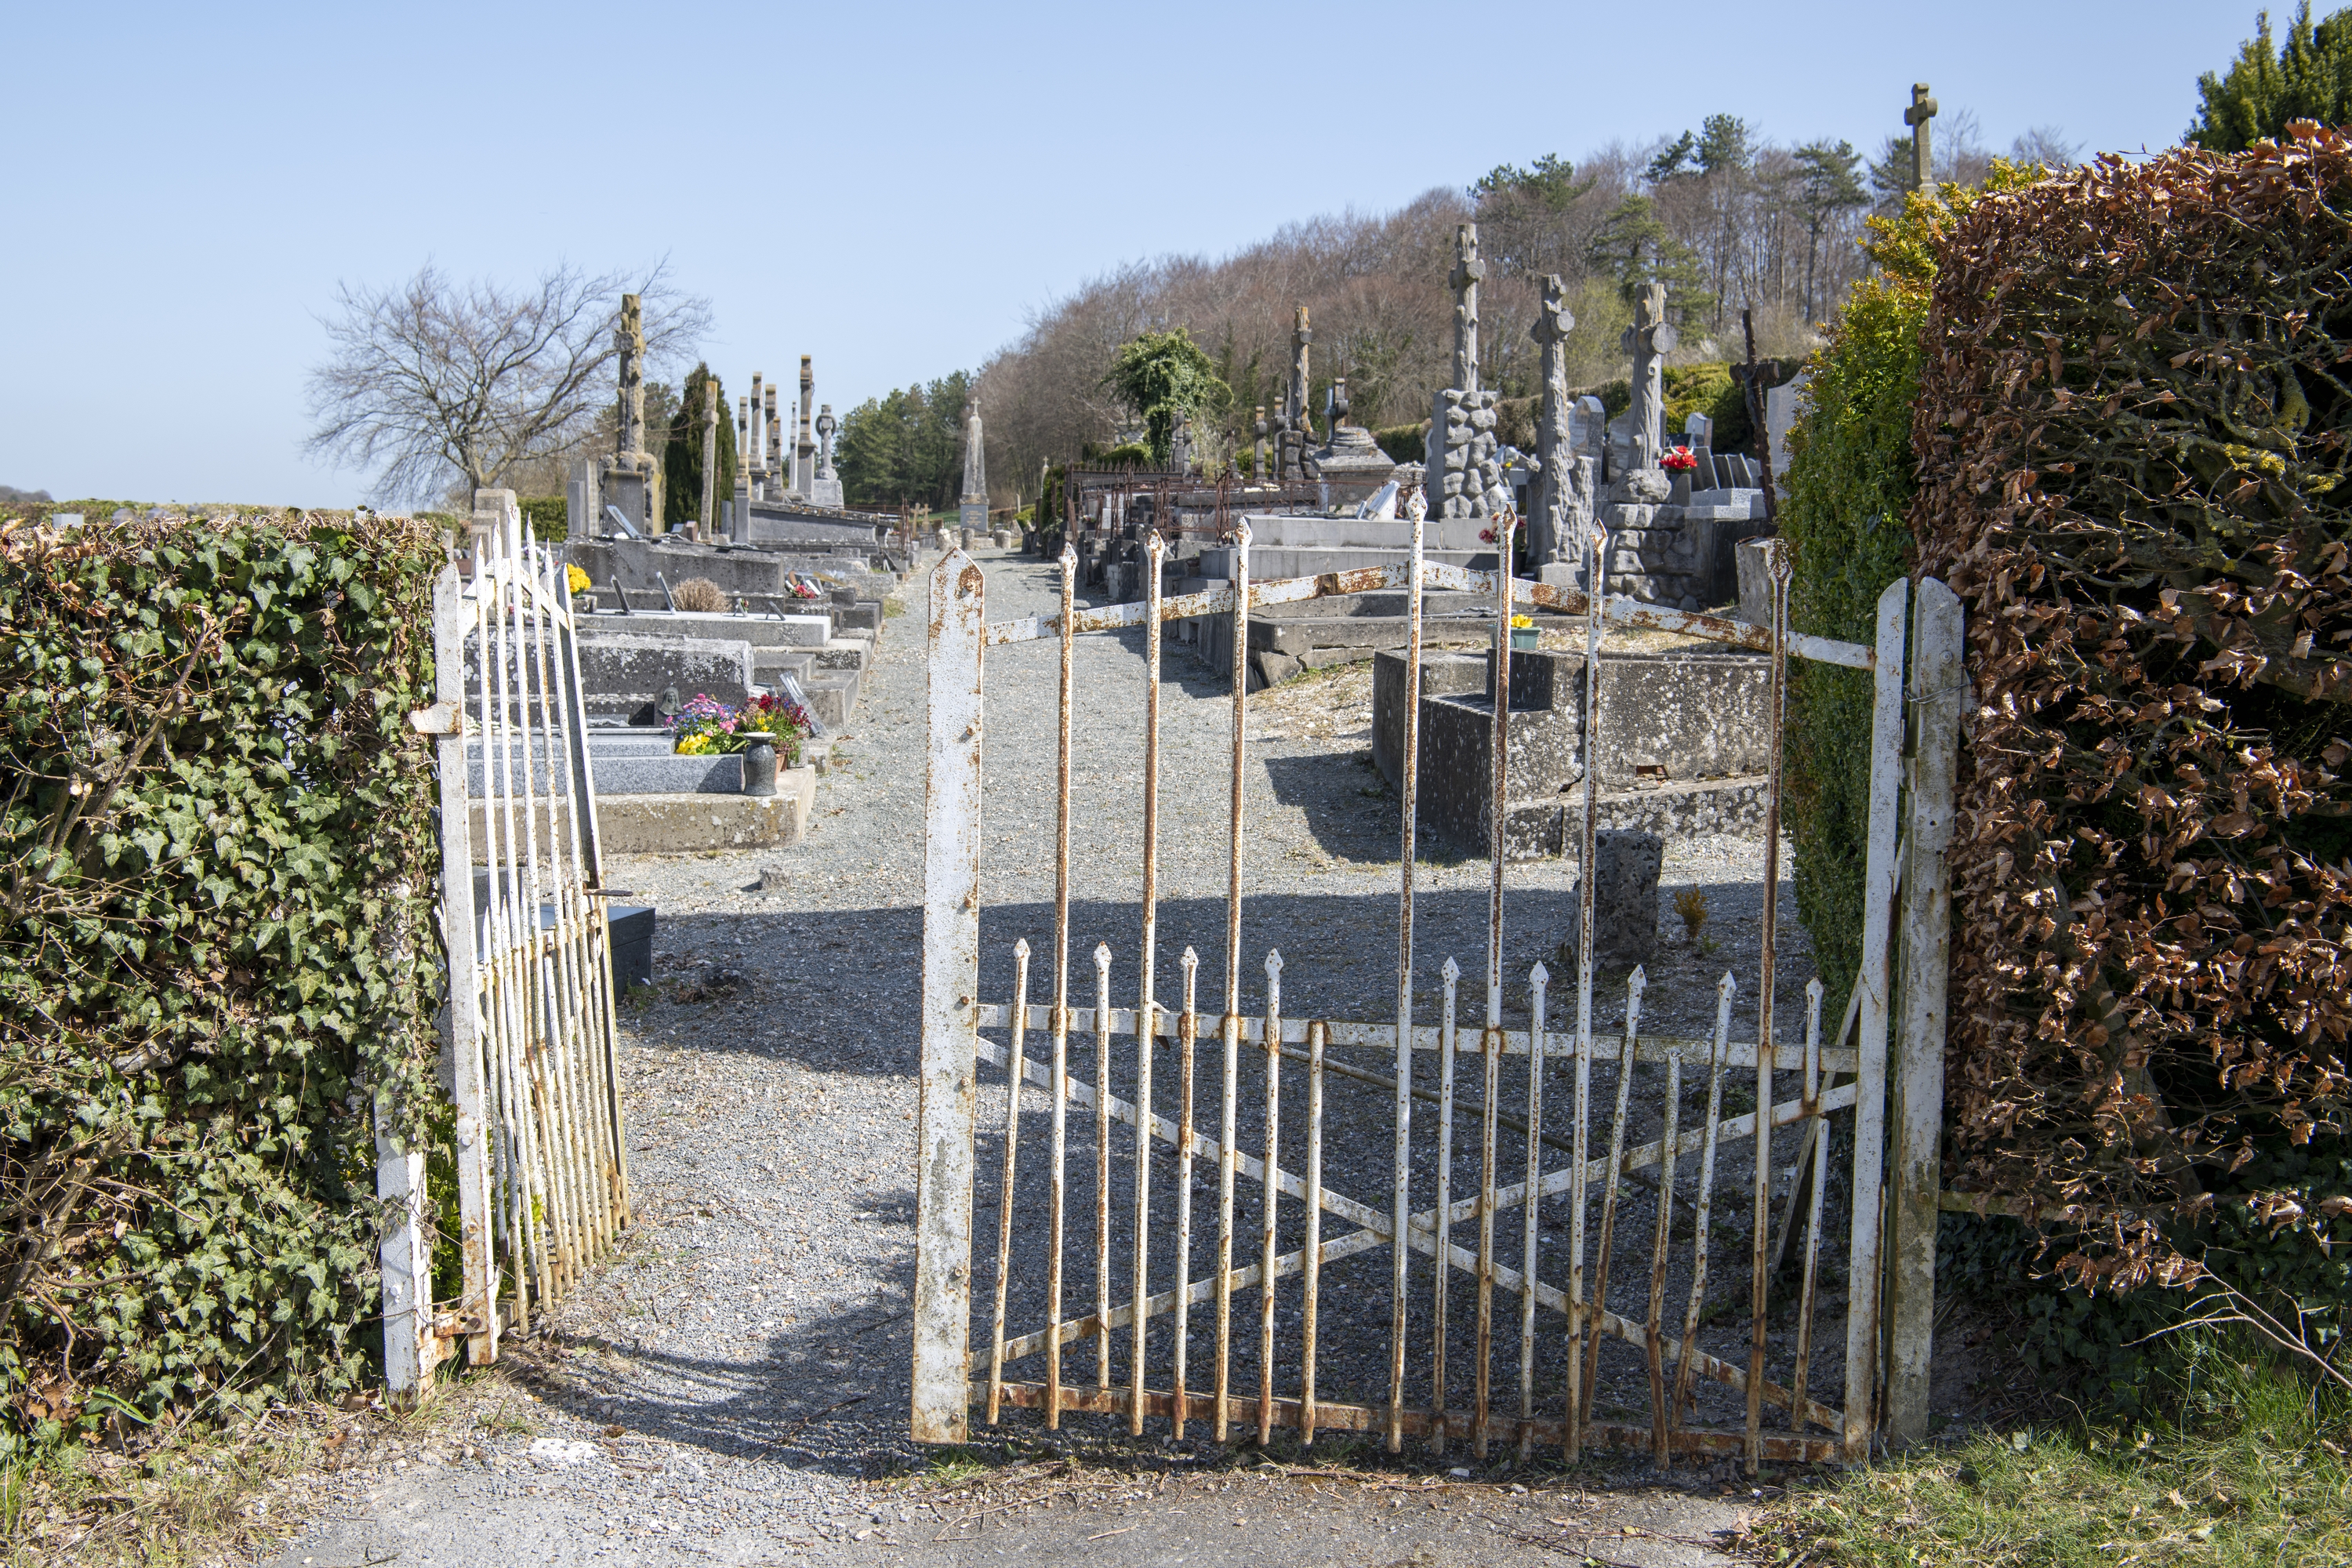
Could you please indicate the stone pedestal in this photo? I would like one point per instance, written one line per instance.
(971, 514)
(1465, 473)
(826, 492)
(632, 492)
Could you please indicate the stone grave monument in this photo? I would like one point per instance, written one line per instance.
(826, 488)
(632, 476)
(972, 507)
(1463, 456)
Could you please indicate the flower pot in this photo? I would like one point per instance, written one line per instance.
(1523, 638)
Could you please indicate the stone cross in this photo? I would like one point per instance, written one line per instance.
(825, 426)
(1555, 450)
(1648, 340)
(1464, 281)
(710, 451)
(804, 466)
(1922, 110)
(631, 342)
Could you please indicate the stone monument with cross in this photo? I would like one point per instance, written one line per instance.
(1464, 475)
(707, 522)
(1293, 436)
(972, 508)
(632, 476)
(804, 455)
(1257, 467)
(1923, 160)
(826, 487)
(1565, 481)
(1638, 439)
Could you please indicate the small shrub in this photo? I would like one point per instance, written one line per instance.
(1691, 904)
(702, 596)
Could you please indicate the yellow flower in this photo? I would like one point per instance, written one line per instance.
(578, 579)
(1521, 623)
(694, 746)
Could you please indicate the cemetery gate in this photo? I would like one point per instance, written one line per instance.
(542, 1173)
(1573, 1134)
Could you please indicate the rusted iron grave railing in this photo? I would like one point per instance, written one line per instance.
(1085, 1084)
(541, 1151)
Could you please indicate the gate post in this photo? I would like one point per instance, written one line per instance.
(477, 1305)
(1938, 680)
(950, 1015)
(1866, 1259)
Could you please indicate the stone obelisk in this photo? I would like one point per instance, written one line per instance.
(1294, 436)
(972, 508)
(760, 490)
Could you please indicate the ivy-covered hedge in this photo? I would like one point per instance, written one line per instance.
(218, 953)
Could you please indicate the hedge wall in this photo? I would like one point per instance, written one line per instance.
(2133, 436)
(217, 946)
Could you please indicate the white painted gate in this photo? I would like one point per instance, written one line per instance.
(541, 1154)
(1235, 1262)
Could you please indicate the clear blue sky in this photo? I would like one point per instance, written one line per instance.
(890, 187)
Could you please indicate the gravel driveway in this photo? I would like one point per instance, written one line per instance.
(731, 1386)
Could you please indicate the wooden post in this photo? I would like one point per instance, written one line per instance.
(1874, 987)
(1939, 682)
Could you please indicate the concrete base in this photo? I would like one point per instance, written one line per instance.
(1733, 808)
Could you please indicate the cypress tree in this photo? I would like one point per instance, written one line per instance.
(682, 453)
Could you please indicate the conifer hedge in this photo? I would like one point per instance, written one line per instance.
(218, 953)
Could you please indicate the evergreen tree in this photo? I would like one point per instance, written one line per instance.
(906, 446)
(1162, 376)
(682, 454)
(1826, 186)
(1637, 248)
(2307, 78)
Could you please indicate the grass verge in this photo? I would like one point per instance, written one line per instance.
(2255, 1473)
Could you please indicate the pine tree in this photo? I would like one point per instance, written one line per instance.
(2309, 76)
(682, 454)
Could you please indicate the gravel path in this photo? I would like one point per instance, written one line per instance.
(731, 1386)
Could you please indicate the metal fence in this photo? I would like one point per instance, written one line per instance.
(541, 1155)
(1539, 1307)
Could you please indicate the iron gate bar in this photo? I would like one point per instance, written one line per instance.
(1787, 1056)
(1616, 608)
(1373, 1228)
(1331, 1415)
(1428, 1232)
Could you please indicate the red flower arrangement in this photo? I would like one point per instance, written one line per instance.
(1679, 460)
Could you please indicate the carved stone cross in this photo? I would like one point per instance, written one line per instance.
(1922, 110)
(1648, 340)
(1554, 450)
(630, 341)
(1464, 281)
(825, 426)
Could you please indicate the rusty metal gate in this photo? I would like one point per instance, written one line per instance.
(1540, 1312)
(541, 1155)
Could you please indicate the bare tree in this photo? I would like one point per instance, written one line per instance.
(433, 381)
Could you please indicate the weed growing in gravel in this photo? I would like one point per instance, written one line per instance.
(954, 1467)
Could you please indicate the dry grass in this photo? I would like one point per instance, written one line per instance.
(701, 597)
